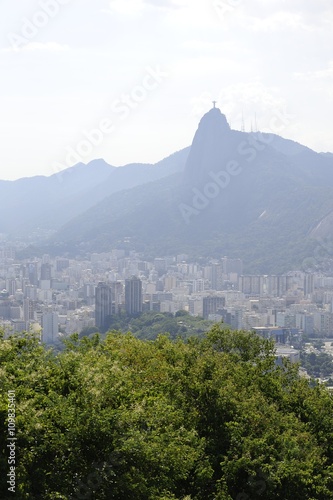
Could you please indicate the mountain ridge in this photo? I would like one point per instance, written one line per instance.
(251, 195)
(50, 201)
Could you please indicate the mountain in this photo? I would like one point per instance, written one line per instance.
(49, 202)
(250, 195)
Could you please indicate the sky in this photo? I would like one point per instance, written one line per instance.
(129, 80)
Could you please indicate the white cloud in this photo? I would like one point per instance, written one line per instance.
(133, 7)
(48, 46)
(276, 15)
(166, 4)
(206, 45)
(322, 74)
(279, 21)
(37, 46)
(127, 7)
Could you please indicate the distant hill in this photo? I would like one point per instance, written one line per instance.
(255, 196)
(50, 202)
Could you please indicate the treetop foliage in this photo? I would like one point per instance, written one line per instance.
(203, 418)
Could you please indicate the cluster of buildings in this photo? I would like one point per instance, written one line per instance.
(59, 296)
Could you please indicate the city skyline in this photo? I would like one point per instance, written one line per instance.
(58, 296)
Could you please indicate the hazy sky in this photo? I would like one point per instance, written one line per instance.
(128, 80)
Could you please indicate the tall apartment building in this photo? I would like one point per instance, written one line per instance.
(211, 305)
(217, 277)
(28, 310)
(46, 272)
(251, 284)
(32, 273)
(103, 304)
(133, 295)
(108, 301)
(308, 284)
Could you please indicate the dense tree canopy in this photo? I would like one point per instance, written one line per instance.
(317, 365)
(124, 418)
(149, 325)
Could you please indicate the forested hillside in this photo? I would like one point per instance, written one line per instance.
(202, 418)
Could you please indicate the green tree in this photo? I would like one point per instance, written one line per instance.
(204, 418)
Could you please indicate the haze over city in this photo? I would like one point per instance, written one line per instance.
(144, 72)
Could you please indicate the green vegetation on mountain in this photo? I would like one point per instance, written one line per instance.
(201, 419)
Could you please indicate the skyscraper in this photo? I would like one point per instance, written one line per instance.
(107, 302)
(308, 284)
(28, 310)
(46, 272)
(103, 304)
(217, 277)
(133, 295)
(32, 274)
